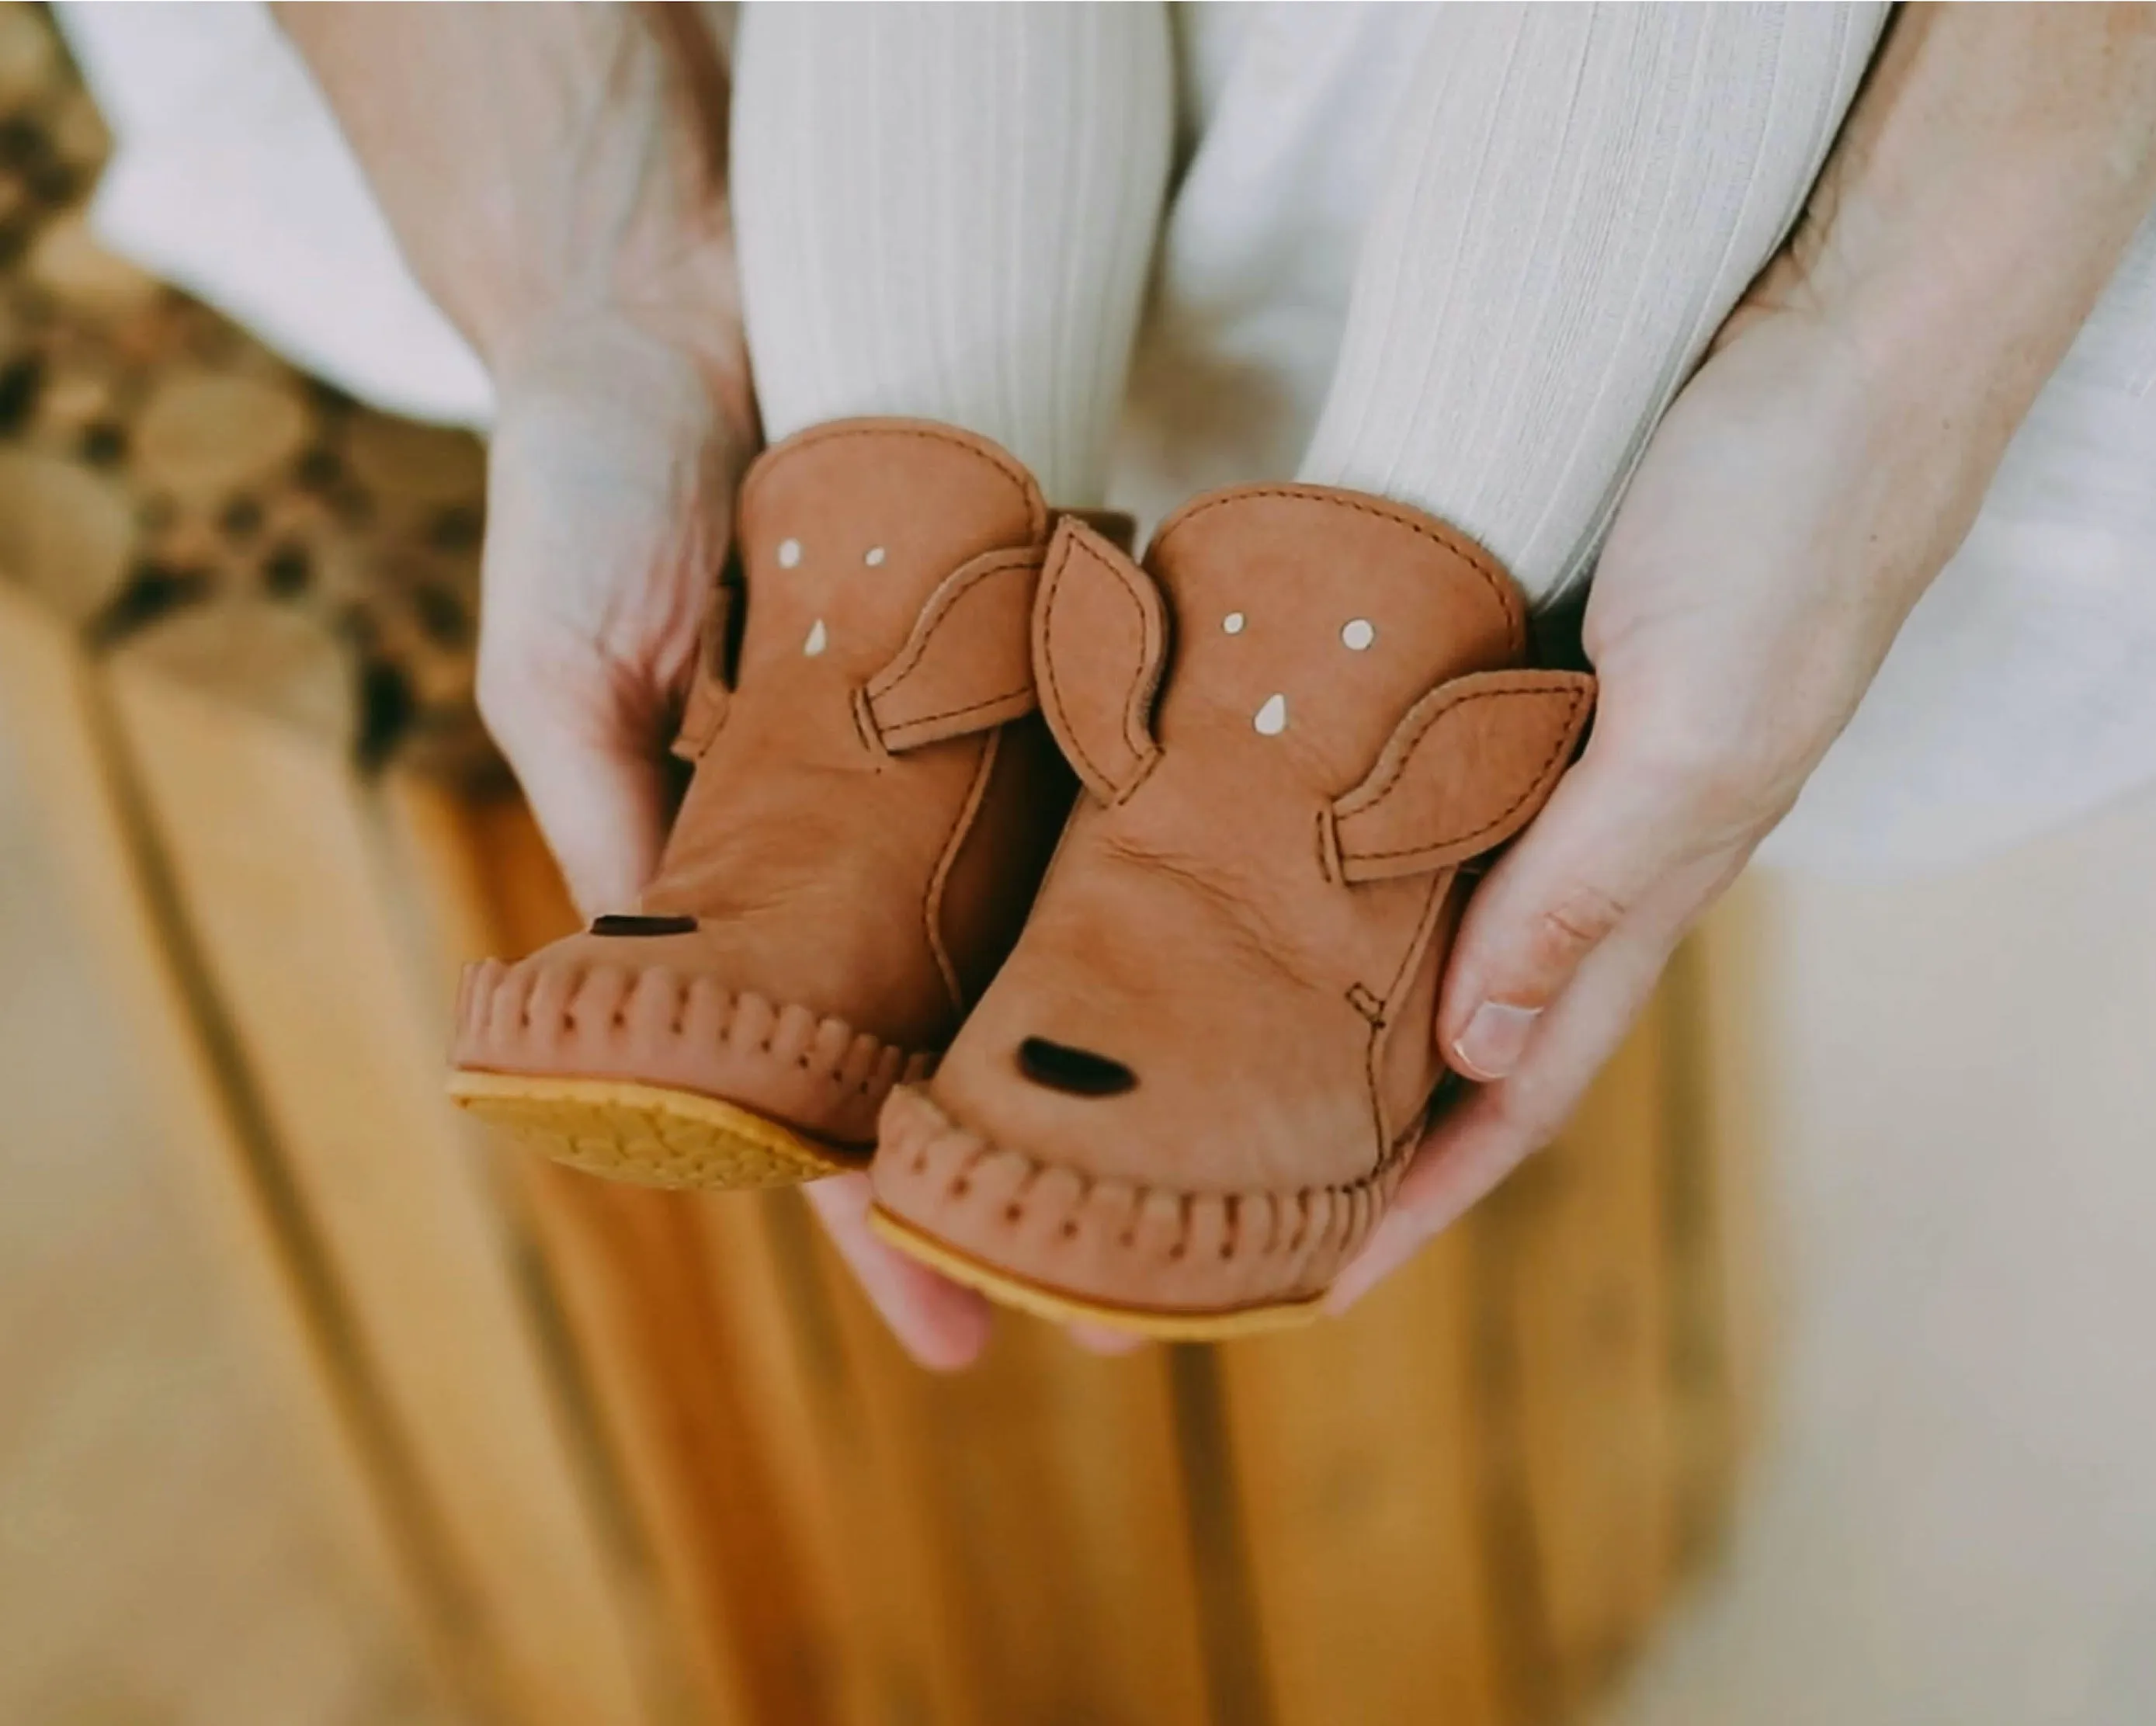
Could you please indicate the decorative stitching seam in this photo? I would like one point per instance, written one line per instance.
(1437, 533)
(1404, 974)
(1005, 464)
(909, 655)
(866, 726)
(1367, 796)
(898, 726)
(1340, 1220)
(1425, 921)
(954, 843)
(1052, 581)
(1535, 787)
(1328, 846)
(1051, 577)
(479, 1006)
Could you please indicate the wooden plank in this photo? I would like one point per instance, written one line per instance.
(1357, 1448)
(263, 1238)
(1036, 1512)
(1573, 1282)
(690, 1354)
(273, 858)
(892, 1502)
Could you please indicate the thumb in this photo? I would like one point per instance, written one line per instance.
(1608, 835)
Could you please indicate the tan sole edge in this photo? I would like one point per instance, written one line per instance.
(1158, 1323)
(646, 1134)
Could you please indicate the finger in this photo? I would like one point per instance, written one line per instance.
(940, 1325)
(1609, 835)
(1476, 1144)
(589, 755)
(603, 812)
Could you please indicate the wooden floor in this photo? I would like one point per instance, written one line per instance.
(160, 1564)
(1956, 1522)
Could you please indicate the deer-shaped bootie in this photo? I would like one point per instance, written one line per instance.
(1193, 1088)
(873, 799)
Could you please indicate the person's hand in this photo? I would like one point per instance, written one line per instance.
(1787, 514)
(1803, 490)
(555, 176)
(611, 475)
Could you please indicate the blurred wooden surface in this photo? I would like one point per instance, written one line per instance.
(168, 1553)
(629, 1457)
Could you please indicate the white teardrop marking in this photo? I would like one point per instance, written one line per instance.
(819, 637)
(874, 558)
(1358, 634)
(1272, 718)
(1233, 622)
(789, 553)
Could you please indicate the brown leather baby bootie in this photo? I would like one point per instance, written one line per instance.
(1192, 1089)
(875, 797)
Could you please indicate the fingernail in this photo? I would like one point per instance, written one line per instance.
(1494, 1039)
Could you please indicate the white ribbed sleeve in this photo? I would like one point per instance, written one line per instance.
(948, 210)
(1577, 196)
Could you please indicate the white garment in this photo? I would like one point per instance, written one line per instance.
(2022, 690)
(948, 212)
(230, 178)
(1575, 200)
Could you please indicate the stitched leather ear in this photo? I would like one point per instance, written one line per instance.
(967, 663)
(1468, 768)
(705, 710)
(1100, 642)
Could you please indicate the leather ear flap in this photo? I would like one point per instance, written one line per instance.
(1099, 644)
(1468, 768)
(706, 710)
(965, 665)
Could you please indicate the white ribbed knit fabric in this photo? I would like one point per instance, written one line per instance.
(1576, 198)
(949, 211)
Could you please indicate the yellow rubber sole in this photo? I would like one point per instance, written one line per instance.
(646, 1134)
(1159, 1323)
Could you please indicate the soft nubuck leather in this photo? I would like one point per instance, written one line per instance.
(875, 796)
(1191, 1090)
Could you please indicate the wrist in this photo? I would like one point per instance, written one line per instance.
(686, 377)
(548, 171)
(1974, 207)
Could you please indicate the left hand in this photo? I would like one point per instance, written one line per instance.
(1790, 509)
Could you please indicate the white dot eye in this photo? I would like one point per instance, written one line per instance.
(874, 558)
(1358, 634)
(1271, 719)
(819, 637)
(789, 553)
(1233, 622)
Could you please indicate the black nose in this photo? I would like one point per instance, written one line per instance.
(625, 923)
(1079, 1072)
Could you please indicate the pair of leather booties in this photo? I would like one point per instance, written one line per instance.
(1159, 1061)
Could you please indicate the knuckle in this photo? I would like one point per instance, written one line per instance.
(1579, 920)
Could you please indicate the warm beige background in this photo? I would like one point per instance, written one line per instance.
(1956, 1522)
(160, 1564)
